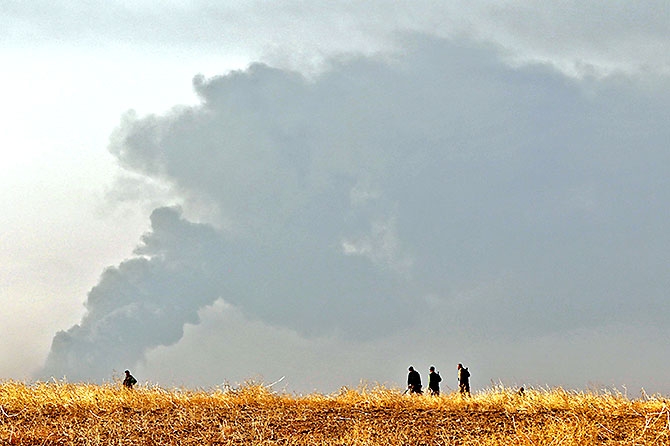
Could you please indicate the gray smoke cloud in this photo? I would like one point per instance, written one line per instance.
(142, 303)
(438, 187)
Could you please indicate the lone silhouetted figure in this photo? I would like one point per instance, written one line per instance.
(434, 379)
(463, 380)
(129, 380)
(414, 381)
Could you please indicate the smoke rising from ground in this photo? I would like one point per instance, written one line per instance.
(438, 188)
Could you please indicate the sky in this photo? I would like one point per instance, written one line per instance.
(325, 193)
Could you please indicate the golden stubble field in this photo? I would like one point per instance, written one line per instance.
(80, 414)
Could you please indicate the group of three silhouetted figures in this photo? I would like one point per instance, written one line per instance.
(434, 379)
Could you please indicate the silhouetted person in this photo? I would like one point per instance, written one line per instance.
(463, 380)
(521, 391)
(414, 381)
(434, 379)
(129, 380)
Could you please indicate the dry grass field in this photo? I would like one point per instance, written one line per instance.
(79, 414)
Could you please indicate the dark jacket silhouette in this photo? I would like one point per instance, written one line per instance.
(414, 381)
(463, 380)
(434, 379)
(129, 381)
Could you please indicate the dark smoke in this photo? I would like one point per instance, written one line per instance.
(442, 187)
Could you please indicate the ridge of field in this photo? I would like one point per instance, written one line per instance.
(60, 413)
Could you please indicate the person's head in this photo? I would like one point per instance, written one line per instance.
(432, 368)
(460, 366)
(127, 372)
(411, 369)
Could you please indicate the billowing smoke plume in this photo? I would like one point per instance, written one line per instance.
(142, 303)
(442, 187)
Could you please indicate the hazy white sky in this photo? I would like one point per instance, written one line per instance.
(330, 191)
